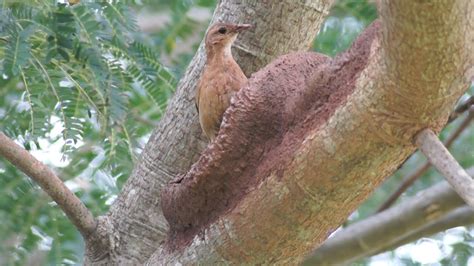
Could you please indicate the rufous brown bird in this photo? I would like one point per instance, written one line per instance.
(222, 76)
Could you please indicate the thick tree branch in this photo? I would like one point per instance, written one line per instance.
(428, 212)
(420, 170)
(357, 240)
(279, 28)
(353, 120)
(253, 133)
(461, 216)
(75, 210)
(430, 145)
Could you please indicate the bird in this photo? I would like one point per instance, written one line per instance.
(221, 78)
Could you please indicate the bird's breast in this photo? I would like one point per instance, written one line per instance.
(216, 87)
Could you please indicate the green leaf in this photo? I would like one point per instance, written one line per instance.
(18, 49)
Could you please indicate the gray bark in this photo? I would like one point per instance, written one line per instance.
(439, 156)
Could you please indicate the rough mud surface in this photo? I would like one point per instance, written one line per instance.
(266, 123)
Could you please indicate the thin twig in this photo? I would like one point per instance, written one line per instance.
(430, 145)
(143, 120)
(77, 212)
(404, 186)
(461, 108)
(418, 172)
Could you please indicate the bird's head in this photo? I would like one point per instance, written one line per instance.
(222, 35)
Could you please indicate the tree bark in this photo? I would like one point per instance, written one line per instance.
(439, 156)
(302, 145)
(136, 223)
(72, 206)
(289, 166)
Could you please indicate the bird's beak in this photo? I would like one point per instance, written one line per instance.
(241, 27)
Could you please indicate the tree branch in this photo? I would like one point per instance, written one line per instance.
(411, 178)
(426, 213)
(461, 108)
(430, 145)
(72, 206)
(461, 216)
(178, 141)
(353, 119)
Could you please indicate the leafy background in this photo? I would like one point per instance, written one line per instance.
(82, 87)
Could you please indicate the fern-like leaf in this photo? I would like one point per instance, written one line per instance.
(18, 49)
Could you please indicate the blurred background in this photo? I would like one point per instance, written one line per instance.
(92, 141)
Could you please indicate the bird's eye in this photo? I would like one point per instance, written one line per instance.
(222, 30)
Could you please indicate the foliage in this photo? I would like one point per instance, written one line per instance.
(78, 77)
(180, 31)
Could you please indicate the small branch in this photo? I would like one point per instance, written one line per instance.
(464, 124)
(384, 230)
(411, 178)
(407, 182)
(430, 145)
(75, 210)
(461, 108)
(143, 120)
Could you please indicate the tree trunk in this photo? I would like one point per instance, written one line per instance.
(303, 143)
(135, 220)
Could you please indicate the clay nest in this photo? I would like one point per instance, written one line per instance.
(266, 123)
